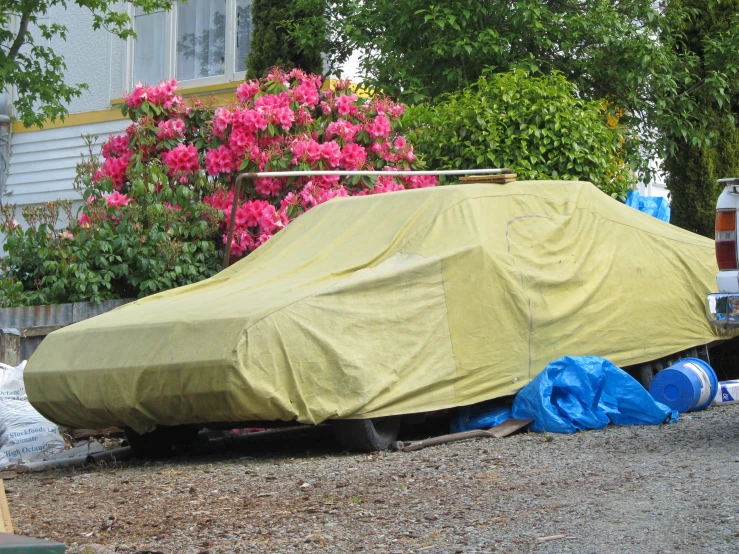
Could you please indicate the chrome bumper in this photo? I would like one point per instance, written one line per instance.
(723, 310)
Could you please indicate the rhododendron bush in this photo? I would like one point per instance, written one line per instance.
(158, 203)
(285, 122)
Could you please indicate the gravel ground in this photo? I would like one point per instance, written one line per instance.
(624, 489)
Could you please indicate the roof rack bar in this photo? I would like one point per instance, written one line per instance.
(320, 172)
(402, 172)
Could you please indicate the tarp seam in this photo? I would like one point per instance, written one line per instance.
(523, 281)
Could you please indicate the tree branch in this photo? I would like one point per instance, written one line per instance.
(19, 40)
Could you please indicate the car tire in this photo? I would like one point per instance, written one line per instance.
(162, 441)
(644, 373)
(366, 435)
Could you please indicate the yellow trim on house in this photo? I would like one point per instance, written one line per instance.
(71, 120)
(192, 91)
(212, 94)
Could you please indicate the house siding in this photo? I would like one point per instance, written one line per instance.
(42, 164)
(95, 57)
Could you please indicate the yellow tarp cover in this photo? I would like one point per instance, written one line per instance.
(389, 304)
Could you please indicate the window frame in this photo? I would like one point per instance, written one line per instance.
(230, 75)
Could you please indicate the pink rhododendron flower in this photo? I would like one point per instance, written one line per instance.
(326, 181)
(309, 195)
(240, 142)
(327, 195)
(400, 143)
(343, 129)
(182, 159)
(249, 121)
(137, 97)
(331, 152)
(278, 76)
(306, 94)
(345, 104)
(380, 127)
(283, 117)
(219, 161)
(221, 121)
(306, 151)
(116, 199)
(171, 129)
(268, 186)
(273, 101)
(116, 145)
(270, 220)
(422, 181)
(386, 183)
(247, 91)
(353, 156)
(115, 168)
(303, 117)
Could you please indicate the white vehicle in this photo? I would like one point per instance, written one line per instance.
(723, 307)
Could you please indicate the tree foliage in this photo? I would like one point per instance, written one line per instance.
(34, 67)
(536, 126)
(693, 170)
(273, 44)
(622, 50)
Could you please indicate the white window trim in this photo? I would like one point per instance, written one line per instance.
(170, 53)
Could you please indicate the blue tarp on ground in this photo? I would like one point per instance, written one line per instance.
(586, 392)
(480, 416)
(656, 206)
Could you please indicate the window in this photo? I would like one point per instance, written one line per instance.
(199, 42)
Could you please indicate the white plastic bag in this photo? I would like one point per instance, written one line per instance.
(25, 435)
(11, 382)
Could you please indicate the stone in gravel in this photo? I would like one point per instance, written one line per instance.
(92, 549)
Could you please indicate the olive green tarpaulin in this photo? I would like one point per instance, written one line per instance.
(396, 303)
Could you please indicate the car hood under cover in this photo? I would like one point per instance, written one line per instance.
(396, 303)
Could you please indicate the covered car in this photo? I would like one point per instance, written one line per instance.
(385, 305)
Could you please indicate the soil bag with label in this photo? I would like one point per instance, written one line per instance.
(25, 435)
(576, 393)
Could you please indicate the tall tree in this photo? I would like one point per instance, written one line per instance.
(34, 68)
(693, 168)
(621, 50)
(273, 43)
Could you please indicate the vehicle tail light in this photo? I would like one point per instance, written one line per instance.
(726, 239)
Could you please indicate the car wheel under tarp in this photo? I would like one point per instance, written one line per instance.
(162, 441)
(366, 435)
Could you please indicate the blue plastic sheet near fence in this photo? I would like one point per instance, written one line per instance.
(578, 393)
(656, 206)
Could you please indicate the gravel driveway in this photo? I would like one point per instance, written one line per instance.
(627, 489)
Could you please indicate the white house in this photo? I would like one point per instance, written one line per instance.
(202, 43)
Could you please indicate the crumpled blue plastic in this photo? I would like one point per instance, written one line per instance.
(480, 416)
(576, 393)
(656, 206)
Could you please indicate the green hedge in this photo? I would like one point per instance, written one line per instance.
(535, 125)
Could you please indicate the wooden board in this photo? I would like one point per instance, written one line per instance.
(493, 179)
(86, 433)
(6, 525)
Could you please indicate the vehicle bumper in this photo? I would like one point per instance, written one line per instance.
(723, 310)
